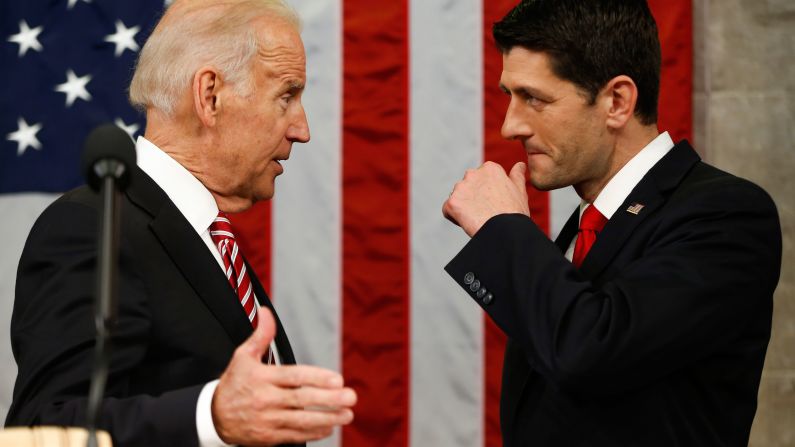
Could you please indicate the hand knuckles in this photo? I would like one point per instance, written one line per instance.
(295, 398)
(284, 376)
(296, 376)
(275, 420)
(298, 420)
(265, 399)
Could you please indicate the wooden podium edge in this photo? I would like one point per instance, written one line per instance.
(48, 436)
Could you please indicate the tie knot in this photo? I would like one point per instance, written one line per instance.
(592, 220)
(221, 229)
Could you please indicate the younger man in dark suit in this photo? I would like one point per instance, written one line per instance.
(648, 325)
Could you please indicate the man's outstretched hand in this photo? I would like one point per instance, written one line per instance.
(260, 404)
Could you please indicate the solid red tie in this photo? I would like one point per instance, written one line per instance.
(591, 224)
(224, 239)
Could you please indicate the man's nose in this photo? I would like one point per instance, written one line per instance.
(299, 128)
(516, 124)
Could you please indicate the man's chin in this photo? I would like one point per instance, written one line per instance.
(541, 184)
(265, 193)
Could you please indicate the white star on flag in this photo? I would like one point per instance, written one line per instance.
(72, 3)
(123, 38)
(74, 87)
(129, 128)
(27, 38)
(25, 136)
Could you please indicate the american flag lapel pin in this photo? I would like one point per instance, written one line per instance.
(635, 208)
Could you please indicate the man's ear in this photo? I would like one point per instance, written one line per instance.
(206, 95)
(619, 97)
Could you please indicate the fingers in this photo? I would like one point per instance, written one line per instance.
(273, 405)
(288, 426)
(293, 376)
(259, 404)
(309, 398)
(308, 420)
(257, 343)
(486, 192)
(518, 174)
(490, 165)
(447, 212)
(298, 426)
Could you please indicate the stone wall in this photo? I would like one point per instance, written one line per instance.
(744, 119)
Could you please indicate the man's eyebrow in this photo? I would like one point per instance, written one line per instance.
(524, 91)
(295, 86)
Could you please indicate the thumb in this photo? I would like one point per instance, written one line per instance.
(257, 343)
(517, 175)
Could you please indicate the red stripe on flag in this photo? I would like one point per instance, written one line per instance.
(253, 234)
(375, 220)
(675, 24)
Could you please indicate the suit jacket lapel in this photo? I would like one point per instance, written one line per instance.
(282, 343)
(568, 231)
(650, 192)
(190, 255)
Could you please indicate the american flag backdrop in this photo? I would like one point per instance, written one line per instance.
(402, 98)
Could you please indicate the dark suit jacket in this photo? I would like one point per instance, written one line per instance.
(659, 338)
(179, 320)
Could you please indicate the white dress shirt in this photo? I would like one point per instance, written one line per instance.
(618, 188)
(198, 206)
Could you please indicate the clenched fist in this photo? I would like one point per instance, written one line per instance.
(486, 192)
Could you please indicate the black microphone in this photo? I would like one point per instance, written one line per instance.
(108, 158)
(108, 152)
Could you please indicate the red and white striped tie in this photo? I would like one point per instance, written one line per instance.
(224, 239)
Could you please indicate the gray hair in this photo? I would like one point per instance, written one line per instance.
(216, 33)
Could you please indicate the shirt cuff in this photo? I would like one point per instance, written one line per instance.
(208, 437)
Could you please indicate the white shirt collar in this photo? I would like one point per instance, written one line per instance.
(625, 180)
(190, 196)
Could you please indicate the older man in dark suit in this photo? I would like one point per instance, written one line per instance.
(647, 323)
(221, 84)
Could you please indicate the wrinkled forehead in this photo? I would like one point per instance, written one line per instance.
(280, 54)
(277, 36)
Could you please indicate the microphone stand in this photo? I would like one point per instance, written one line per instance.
(105, 306)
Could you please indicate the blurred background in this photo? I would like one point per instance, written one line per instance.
(402, 97)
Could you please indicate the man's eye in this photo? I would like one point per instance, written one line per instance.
(285, 100)
(533, 101)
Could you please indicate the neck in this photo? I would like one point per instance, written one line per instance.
(190, 145)
(168, 133)
(627, 144)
